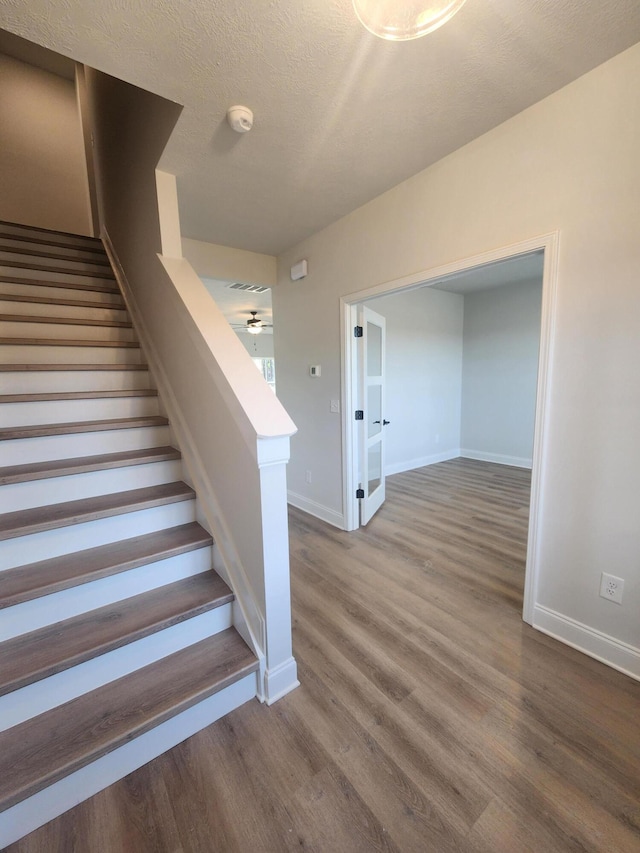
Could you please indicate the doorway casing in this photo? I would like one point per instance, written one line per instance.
(548, 244)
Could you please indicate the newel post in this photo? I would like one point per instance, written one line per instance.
(280, 667)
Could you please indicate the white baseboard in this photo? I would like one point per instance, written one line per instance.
(421, 462)
(498, 458)
(602, 647)
(280, 681)
(23, 818)
(318, 510)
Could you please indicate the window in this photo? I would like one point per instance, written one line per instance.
(267, 366)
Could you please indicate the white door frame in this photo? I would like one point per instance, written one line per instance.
(549, 243)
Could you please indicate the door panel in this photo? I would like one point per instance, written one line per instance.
(371, 365)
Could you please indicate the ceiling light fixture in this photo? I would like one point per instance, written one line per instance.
(401, 20)
(254, 326)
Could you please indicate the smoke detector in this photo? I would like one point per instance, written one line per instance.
(240, 118)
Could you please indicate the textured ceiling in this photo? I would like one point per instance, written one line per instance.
(340, 116)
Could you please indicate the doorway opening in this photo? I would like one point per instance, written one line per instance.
(531, 263)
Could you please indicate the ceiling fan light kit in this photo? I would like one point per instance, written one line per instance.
(254, 326)
(402, 20)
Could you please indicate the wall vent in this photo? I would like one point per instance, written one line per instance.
(248, 288)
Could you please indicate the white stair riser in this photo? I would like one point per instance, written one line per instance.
(52, 490)
(77, 537)
(22, 451)
(44, 309)
(58, 354)
(7, 288)
(47, 804)
(19, 273)
(66, 411)
(56, 331)
(39, 612)
(9, 230)
(16, 245)
(51, 692)
(60, 381)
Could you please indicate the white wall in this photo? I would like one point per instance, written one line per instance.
(231, 429)
(499, 373)
(568, 163)
(43, 172)
(258, 346)
(423, 376)
(223, 262)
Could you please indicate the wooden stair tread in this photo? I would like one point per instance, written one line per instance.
(64, 321)
(30, 230)
(24, 522)
(26, 248)
(66, 285)
(77, 395)
(11, 433)
(45, 577)
(9, 368)
(55, 648)
(67, 342)
(48, 748)
(100, 272)
(82, 464)
(53, 300)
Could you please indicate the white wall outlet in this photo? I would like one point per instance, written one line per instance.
(611, 588)
(307, 476)
(334, 406)
(315, 370)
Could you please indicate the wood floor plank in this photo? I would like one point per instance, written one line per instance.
(425, 701)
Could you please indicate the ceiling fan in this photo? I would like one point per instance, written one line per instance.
(254, 326)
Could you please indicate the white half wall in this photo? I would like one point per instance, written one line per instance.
(568, 164)
(43, 170)
(224, 262)
(501, 341)
(423, 377)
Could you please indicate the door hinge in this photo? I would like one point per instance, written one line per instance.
(359, 493)
(359, 415)
(358, 331)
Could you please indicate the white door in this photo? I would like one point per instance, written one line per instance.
(371, 369)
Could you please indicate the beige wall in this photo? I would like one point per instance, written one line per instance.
(43, 174)
(223, 262)
(569, 163)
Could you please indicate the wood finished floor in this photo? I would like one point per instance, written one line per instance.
(430, 717)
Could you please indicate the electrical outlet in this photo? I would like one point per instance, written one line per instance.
(611, 588)
(307, 476)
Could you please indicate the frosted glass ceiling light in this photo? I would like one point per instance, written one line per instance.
(401, 20)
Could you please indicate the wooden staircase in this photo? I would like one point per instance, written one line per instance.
(116, 637)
